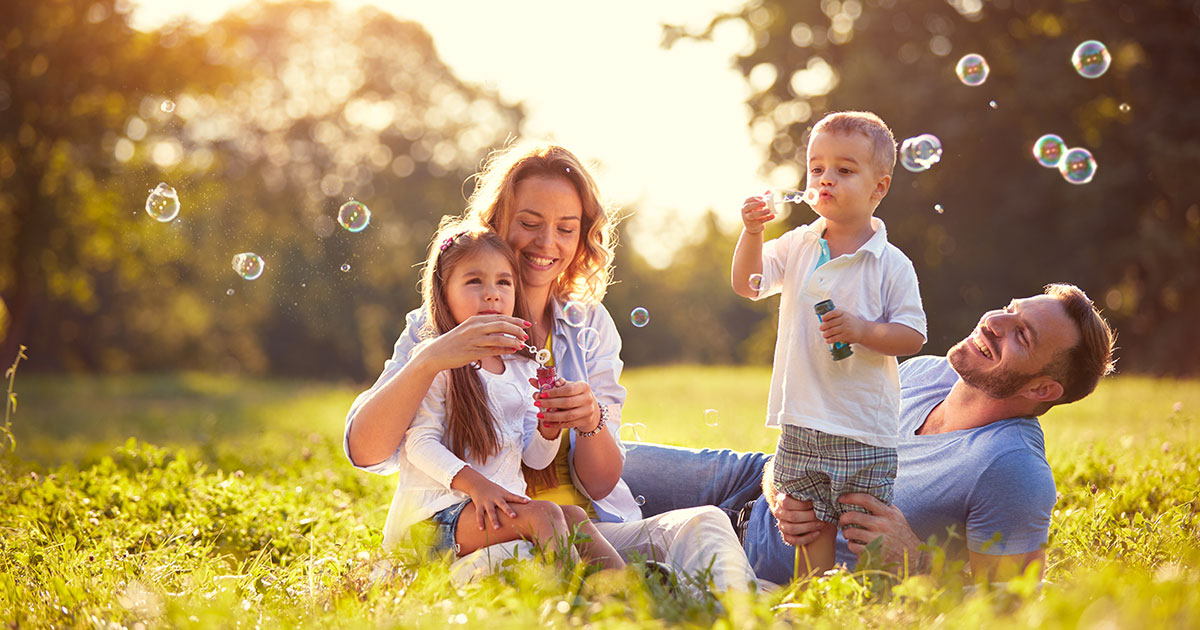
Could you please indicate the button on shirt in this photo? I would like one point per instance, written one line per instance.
(857, 397)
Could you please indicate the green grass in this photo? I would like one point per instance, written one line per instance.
(201, 501)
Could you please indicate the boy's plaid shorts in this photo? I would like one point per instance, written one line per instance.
(820, 467)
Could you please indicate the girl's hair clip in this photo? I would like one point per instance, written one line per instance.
(449, 241)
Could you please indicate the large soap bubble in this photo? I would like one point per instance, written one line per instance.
(249, 265)
(1078, 166)
(1091, 59)
(972, 69)
(919, 153)
(354, 216)
(163, 203)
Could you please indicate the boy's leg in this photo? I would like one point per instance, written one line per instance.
(598, 549)
(798, 470)
(540, 522)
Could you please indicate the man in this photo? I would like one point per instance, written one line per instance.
(972, 472)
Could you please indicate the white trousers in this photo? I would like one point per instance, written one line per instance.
(689, 540)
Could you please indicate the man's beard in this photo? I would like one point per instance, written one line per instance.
(997, 384)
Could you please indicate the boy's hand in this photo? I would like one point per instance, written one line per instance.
(756, 214)
(838, 325)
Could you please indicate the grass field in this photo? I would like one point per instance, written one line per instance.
(201, 501)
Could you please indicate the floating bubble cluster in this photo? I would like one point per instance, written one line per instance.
(1049, 150)
(756, 281)
(163, 203)
(249, 265)
(589, 339)
(167, 106)
(639, 317)
(575, 312)
(919, 153)
(1091, 59)
(777, 198)
(972, 70)
(711, 417)
(1078, 166)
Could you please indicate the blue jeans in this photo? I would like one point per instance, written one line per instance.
(670, 477)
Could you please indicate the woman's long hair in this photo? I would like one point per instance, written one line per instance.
(589, 273)
(470, 427)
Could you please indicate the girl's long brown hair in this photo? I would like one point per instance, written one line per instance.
(470, 427)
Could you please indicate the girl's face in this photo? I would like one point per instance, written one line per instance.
(545, 228)
(481, 284)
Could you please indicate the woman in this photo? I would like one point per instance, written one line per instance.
(544, 204)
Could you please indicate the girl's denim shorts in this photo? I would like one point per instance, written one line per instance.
(446, 522)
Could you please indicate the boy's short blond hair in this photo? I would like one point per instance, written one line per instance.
(883, 157)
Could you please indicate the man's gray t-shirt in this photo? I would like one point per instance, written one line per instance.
(991, 484)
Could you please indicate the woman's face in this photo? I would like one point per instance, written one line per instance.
(546, 223)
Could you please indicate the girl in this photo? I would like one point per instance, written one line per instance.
(477, 423)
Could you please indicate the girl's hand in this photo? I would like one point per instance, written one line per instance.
(756, 214)
(568, 405)
(491, 499)
(838, 325)
(476, 337)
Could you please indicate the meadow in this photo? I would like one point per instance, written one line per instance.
(195, 500)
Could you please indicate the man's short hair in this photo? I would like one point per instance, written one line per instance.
(883, 143)
(1079, 368)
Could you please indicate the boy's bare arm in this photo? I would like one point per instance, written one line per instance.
(891, 339)
(747, 255)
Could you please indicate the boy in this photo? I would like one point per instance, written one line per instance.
(840, 418)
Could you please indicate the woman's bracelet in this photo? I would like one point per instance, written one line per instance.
(603, 421)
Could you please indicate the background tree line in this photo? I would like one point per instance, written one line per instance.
(284, 111)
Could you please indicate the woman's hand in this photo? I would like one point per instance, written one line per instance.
(568, 405)
(476, 337)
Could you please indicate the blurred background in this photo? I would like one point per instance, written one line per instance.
(267, 117)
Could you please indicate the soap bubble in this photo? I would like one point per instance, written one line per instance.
(939, 208)
(639, 317)
(249, 265)
(756, 281)
(345, 267)
(776, 198)
(993, 104)
(1078, 166)
(167, 106)
(972, 70)
(1124, 107)
(575, 312)
(1049, 150)
(1091, 59)
(163, 203)
(631, 433)
(640, 500)
(589, 339)
(712, 417)
(229, 292)
(919, 153)
(354, 216)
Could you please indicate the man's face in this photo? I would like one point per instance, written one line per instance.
(1012, 346)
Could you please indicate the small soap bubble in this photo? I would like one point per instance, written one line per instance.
(249, 265)
(1124, 107)
(163, 203)
(345, 267)
(354, 216)
(919, 153)
(575, 312)
(756, 281)
(229, 292)
(631, 433)
(167, 106)
(1091, 59)
(972, 70)
(993, 104)
(939, 208)
(639, 317)
(712, 417)
(1078, 166)
(640, 500)
(589, 339)
(1049, 150)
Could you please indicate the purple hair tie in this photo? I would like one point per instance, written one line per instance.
(450, 241)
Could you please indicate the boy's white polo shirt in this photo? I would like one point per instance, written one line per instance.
(857, 397)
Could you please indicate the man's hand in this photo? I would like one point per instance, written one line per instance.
(797, 521)
(884, 520)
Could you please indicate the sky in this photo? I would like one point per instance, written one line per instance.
(667, 129)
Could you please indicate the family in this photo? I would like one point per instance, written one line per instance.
(872, 451)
